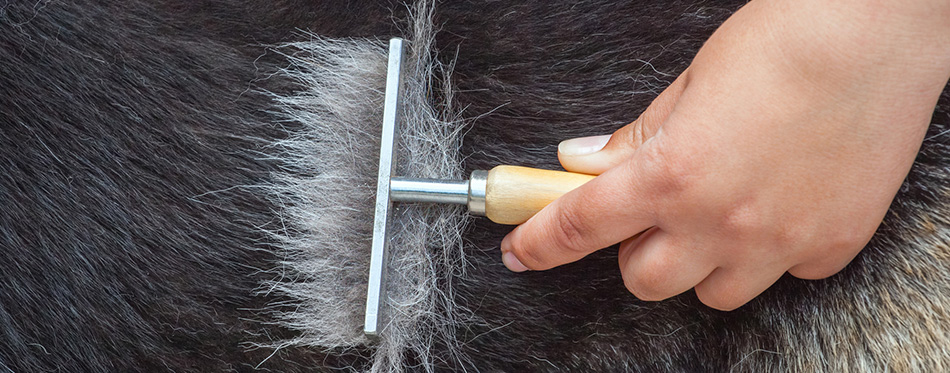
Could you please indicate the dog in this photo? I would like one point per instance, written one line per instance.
(132, 238)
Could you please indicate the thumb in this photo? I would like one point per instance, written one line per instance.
(595, 154)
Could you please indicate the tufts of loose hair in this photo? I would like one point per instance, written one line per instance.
(325, 194)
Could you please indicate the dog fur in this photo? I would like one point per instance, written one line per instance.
(138, 161)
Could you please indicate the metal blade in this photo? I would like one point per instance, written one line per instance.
(376, 291)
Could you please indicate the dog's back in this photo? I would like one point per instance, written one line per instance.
(131, 238)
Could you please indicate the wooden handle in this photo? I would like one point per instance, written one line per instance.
(514, 194)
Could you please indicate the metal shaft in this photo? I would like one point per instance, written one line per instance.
(403, 189)
(461, 192)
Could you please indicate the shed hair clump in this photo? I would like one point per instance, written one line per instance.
(325, 193)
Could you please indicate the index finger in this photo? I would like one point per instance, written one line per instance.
(606, 210)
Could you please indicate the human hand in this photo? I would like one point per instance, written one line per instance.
(778, 150)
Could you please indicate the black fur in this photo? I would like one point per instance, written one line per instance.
(129, 240)
(126, 133)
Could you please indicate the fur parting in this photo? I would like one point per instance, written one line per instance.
(326, 194)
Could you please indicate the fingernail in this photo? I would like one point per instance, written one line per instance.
(583, 145)
(512, 262)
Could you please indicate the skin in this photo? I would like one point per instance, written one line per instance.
(778, 150)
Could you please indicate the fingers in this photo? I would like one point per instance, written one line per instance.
(833, 257)
(608, 209)
(596, 154)
(655, 267)
(826, 266)
(726, 289)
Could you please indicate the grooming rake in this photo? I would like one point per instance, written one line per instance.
(505, 194)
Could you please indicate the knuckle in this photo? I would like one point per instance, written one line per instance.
(646, 285)
(849, 238)
(570, 231)
(831, 254)
(793, 234)
(719, 300)
(742, 219)
(529, 257)
(636, 133)
(630, 135)
(672, 175)
(827, 261)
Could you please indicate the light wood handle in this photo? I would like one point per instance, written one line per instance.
(514, 194)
